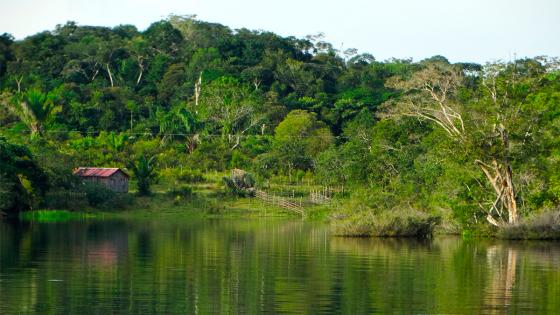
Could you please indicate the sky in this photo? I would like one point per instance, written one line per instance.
(463, 31)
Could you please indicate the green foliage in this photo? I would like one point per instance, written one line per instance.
(182, 191)
(68, 199)
(332, 168)
(191, 176)
(35, 109)
(213, 154)
(145, 173)
(97, 194)
(387, 224)
(299, 138)
(201, 95)
(117, 141)
(238, 160)
(22, 182)
(53, 216)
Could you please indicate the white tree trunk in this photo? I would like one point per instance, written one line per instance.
(110, 75)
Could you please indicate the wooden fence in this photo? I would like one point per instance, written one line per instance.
(324, 194)
(281, 202)
(316, 196)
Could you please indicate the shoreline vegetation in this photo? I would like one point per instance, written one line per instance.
(215, 122)
(207, 200)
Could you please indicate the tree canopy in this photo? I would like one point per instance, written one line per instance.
(473, 142)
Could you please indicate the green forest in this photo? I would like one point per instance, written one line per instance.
(415, 145)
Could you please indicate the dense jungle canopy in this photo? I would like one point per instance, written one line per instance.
(472, 143)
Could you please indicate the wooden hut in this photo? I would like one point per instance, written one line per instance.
(113, 178)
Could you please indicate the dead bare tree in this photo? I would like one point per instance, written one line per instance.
(438, 84)
(197, 89)
(141, 68)
(499, 173)
(110, 74)
(18, 82)
(430, 96)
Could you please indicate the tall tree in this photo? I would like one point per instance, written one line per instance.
(485, 124)
(21, 179)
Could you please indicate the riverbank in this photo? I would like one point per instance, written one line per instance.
(170, 199)
(543, 227)
(209, 198)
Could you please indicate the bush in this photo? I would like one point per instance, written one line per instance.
(544, 226)
(386, 224)
(265, 165)
(66, 199)
(238, 159)
(118, 202)
(97, 194)
(211, 155)
(182, 191)
(191, 176)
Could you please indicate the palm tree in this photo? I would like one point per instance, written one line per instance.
(117, 141)
(191, 125)
(35, 109)
(145, 172)
(181, 121)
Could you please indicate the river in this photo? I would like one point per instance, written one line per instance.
(253, 266)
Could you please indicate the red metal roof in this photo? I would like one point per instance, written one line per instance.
(97, 172)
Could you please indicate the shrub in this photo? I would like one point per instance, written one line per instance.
(544, 226)
(97, 194)
(238, 159)
(181, 191)
(191, 176)
(386, 224)
(213, 155)
(66, 199)
(118, 202)
(266, 165)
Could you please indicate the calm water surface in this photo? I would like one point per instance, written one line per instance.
(264, 266)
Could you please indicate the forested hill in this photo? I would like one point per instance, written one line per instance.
(105, 75)
(472, 143)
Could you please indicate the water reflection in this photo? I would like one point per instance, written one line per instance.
(252, 266)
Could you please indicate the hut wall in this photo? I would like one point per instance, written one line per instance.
(118, 182)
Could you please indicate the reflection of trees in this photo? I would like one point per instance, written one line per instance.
(523, 276)
(382, 246)
(502, 262)
(251, 266)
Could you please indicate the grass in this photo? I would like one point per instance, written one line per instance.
(210, 200)
(173, 198)
(164, 205)
(386, 224)
(178, 197)
(56, 215)
(542, 227)
(176, 200)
